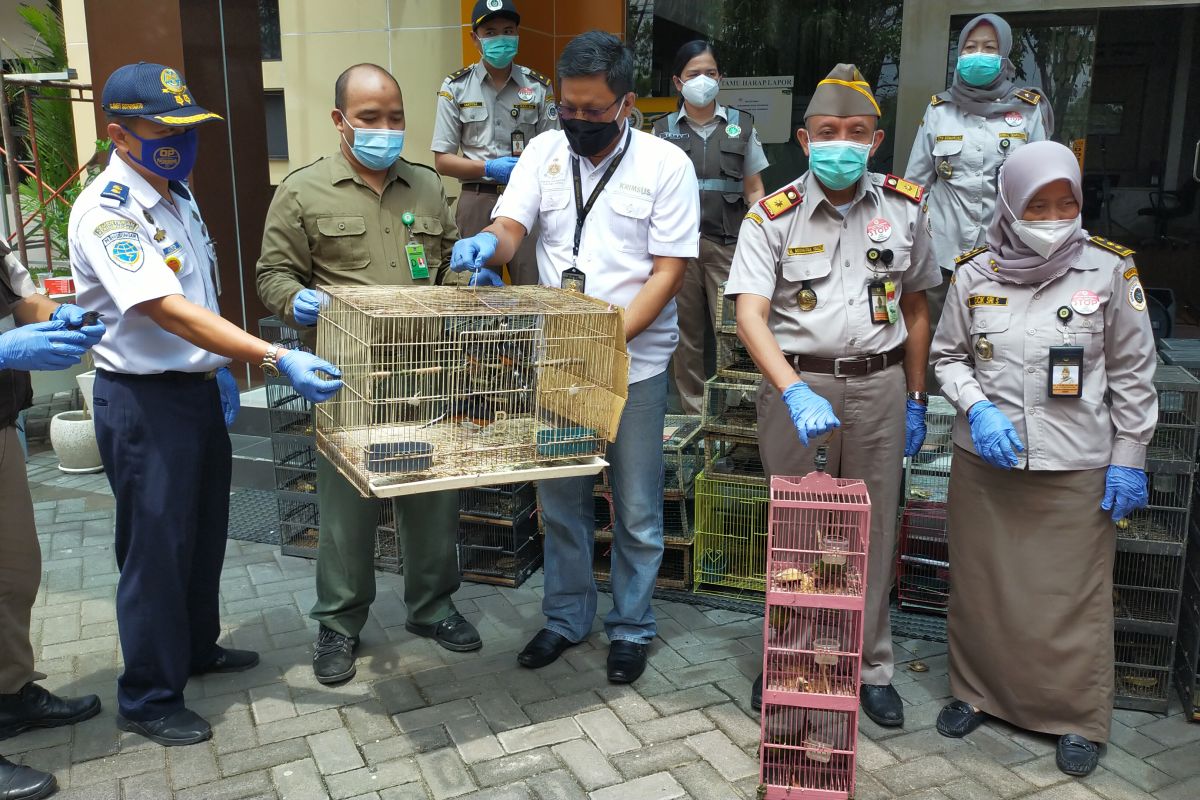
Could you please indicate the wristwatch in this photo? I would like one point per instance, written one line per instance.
(270, 364)
(920, 397)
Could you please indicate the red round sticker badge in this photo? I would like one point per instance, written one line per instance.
(1014, 118)
(879, 229)
(525, 93)
(1085, 302)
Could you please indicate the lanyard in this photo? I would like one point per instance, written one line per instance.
(582, 210)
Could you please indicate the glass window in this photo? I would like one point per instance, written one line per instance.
(277, 141)
(800, 39)
(268, 27)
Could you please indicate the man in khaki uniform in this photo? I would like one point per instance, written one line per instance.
(364, 216)
(490, 110)
(830, 276)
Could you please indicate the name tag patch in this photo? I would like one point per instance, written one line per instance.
(806, 250)
(977, 300)
(958, 138)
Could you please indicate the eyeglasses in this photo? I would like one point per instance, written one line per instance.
(590, 114)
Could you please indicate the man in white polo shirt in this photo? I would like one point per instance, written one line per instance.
(620, 214)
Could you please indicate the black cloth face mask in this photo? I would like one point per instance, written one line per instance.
(588, 138)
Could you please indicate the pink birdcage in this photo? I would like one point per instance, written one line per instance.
(816, 587)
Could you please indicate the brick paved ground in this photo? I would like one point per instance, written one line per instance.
(420, 722)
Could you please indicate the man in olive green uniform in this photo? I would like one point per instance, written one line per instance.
(490, 110)
(364, 216)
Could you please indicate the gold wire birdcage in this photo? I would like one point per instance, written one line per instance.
(448, 388)
(733, 359)
(726, 312)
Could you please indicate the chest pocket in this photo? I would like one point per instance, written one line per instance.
(796, 269)
(527, 117)
(629, 221)
(341, 243)
(993, 326)
(427, 231)
(474, 121)
(555, 215)
(733, 158)
(1014, 139)
(949, 152)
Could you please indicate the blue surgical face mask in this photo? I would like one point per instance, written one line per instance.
(375, 148)
(499, 51)
(979, 69)
(838, 164)
(171, 157)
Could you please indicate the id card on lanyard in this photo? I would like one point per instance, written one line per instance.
(574, 278)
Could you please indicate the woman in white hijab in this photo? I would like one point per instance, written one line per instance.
(967, 133)
(1046, 350)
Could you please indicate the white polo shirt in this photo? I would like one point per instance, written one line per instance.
(129, 245)
(650, 207)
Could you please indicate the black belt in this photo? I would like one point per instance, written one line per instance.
(850, 367)
(168, 376)
(484, 188)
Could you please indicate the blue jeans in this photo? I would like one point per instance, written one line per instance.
(569, 515)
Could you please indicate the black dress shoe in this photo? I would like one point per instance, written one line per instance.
(543, 649)
(24, 783)
(957, 719)
(179, 728)
(230, 661)
(453, 633)
(34, 707)
(883, 705)
(756, 693)
(626, 661)
(333, 656)
(1076, 755)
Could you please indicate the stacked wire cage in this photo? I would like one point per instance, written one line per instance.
(1187, 656)
(1150, 569)
(1181, 353)
(498, 540)
(923, 552)
(816, 575)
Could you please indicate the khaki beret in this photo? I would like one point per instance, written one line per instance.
(844, 93)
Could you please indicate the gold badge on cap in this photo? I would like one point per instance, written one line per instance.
(171, 81)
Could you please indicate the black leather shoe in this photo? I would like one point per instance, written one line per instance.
(883, 705)
(180, 728)
(543, 649)
(957, 719)
(1076, 755)
(230, 661)
(756, 693)
(626, 661)
(453, 633)
(24, 783)
(333, 656)
(34, 707)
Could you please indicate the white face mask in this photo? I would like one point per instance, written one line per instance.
(700, 90)
(1045, 237)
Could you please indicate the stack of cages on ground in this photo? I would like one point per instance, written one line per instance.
(730, 553)
(923, 554)
(1187, 656)
(503, 551)
(448, 387)
(1149, 574)
(726, 312)
(816, 589)
(733, 360)
(1183, 353)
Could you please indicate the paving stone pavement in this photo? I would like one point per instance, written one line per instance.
(421, 722)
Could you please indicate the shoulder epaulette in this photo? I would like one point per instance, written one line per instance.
(301, 169)
(116, 191)
(967, 256)
(537, 76)
(781, 202)
(1107, 244)
(422, 166)
(909, 189)
(1030, 96)
(936, 101)
(462, 73)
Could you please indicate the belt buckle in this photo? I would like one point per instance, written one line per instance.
(837, 365)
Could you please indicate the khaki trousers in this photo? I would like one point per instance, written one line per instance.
(868, 446)
(20, 566)
(697, 304)
(474, 213)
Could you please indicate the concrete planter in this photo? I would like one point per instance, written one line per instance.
(86, 380)
(73, 437)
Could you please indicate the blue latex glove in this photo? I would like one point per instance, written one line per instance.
(995, 439)
(43, 346)
(302, 369)
(486, 277)
(1125, 491)
(473, 252)
(231, 401)
(811, 414)
(914, 427)
(306, 307)
(72, 315)
(499, 169)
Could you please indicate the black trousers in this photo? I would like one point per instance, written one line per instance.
(168, 459)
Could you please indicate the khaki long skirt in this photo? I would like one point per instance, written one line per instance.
(1031, 614)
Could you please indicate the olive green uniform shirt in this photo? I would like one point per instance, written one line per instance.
(325, 226)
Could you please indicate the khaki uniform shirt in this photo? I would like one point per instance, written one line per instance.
(325, 226)
(477, 118)
(1114, 419)
(811, 241)
(958, 156)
